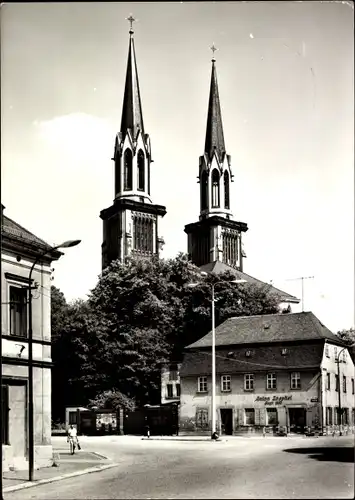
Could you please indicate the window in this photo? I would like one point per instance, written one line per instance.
(337, 416)
(5, 414)
(173, 373)
(335, 353)
(202, 384)
(328, 381)
(344, 356)
(226, 190)
(345, 416)
(202, 418)
(225, 383)
(271, 381)
(215, 188)
(178, 390)
(128, 170)
(249, 382)
(170, 392)
(352, 386)
(295, 380)
(344, 383)
(72, 418)
(118, 176)
(327, 350)
(353, 416)
(249, 416)
(140, 170)
(337, 383)
(271, 416)
(18, 311)
(143, 234)
(329, 416)
(204, 190)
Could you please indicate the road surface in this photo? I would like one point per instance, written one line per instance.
(238, 468)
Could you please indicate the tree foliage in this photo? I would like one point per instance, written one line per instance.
(347, 336)
(141, 314)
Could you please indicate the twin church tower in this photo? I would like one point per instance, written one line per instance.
(131, 223)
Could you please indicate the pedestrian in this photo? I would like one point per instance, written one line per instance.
(72, 439)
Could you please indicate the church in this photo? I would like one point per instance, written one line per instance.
(131, 223)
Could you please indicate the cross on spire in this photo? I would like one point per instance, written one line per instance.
(131, 20)
(214, 49)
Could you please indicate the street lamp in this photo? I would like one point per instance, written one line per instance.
(339, 388)
(66, 244)
(213, 394)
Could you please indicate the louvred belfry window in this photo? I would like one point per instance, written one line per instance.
(140, 173)
(204, 190)
(128, 170)
(226, 190)
(143, 234)
(215, 188)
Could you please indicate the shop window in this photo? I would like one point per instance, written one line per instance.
(225, 383)
(249, 416)
(345, 416)
(271, 381)
(249, 382)
(329, 416)
(202, 418)
(344, 383)
(18, 311)
(328, 381)
(271, 415)
(295, 380)
(202, 384)
(178, 390)
(170, 391)
(5, 414)
(337, 383)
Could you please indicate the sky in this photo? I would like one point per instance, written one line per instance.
(285, 75)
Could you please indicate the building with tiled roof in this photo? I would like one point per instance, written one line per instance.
(278, 371)
(19, 249)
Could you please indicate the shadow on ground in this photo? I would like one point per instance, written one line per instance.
(331, 454)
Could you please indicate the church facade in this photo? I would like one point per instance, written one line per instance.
(131, 223)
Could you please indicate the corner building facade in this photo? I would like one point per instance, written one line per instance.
(273, 373)
(130, 224)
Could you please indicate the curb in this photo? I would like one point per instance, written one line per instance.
(58, 478)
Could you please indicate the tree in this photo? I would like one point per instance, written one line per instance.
(347, 336)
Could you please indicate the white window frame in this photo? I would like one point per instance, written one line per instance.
(327, 350)
(226, 383)
(271, 381)
(24, 289)
(248, 381)
(295, 380)
(202, 384)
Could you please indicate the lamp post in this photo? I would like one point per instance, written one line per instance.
(339, 389)
(213, 392)
(66, 244)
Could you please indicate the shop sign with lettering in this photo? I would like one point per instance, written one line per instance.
(272, 400)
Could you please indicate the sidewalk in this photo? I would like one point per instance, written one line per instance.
(67, 465)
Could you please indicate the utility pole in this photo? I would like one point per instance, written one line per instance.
(302, 278)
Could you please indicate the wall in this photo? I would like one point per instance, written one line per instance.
(237, 399)
(15, 356)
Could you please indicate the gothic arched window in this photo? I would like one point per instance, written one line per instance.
(117, 176)
(128, 170)
(226, 190)
(140, 170)
(204, 190)
(215, 188)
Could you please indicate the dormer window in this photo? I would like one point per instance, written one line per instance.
(248, 354)
(284, 351)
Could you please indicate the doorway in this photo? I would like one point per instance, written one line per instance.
(227, 421)
(297, 419)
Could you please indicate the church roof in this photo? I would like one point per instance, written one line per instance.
(214, 132)
(218, 267)
(132, 116)
(268, 328)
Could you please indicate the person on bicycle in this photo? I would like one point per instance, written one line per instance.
(72, 438)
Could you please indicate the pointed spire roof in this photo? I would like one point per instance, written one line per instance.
(214, 132)
(132, 116)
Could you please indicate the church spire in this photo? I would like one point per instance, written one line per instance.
(132, 116)
(214, 131)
